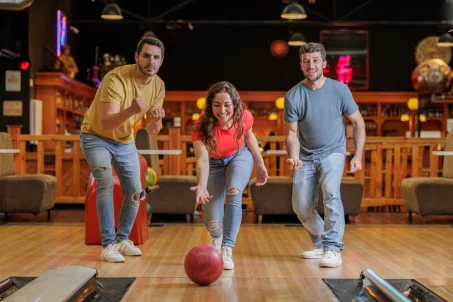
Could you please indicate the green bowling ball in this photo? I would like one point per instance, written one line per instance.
(151, 177)
(150, 211)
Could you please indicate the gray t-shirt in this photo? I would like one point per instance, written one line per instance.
(319, 114)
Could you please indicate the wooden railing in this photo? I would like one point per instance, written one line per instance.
(389, 160)
(70, 168)
(386, 162)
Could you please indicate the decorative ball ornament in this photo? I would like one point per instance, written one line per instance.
(428, 49)
(279, 48)
(431, 76)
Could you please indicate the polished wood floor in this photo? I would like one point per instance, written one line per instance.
(267, 256)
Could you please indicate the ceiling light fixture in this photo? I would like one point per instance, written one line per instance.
(293, 11)
(112, 12)
(297, 39)
(445, 40)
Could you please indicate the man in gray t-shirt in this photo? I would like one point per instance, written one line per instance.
(316, 143)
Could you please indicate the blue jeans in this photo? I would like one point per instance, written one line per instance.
(102, 155)
(327, 173)
(232, 172)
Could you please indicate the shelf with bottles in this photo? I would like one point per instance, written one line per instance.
(261, 110)
(71, 122)
(393, 111)
(167, 122)
(190, 109)
(434, 112)
(371, 128)
(69, 101)
(172, 110)
(368, 111)
(382, 111)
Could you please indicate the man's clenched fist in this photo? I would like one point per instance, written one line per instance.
(158, 114)
(138, 105)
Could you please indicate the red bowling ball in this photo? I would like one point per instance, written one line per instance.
(203, 265)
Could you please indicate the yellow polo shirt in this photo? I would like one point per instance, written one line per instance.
(120, 86)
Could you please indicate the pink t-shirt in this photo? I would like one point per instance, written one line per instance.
(226, 138)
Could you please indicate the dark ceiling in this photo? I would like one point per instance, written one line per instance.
(258, 10)
(240, 32)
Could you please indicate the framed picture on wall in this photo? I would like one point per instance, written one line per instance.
(347, 57)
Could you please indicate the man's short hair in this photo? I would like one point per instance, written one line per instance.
(151, 41)
(312, 47)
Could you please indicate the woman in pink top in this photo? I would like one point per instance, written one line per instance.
(225, 147)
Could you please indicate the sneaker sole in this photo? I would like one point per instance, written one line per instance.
(130, 254)
(312, 257)
(118, 261)
(330, 265)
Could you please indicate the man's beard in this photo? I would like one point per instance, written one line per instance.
(315, 78)
(145, 72)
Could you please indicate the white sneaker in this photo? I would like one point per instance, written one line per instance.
(316, 253)
(111, 254)
(227, 255)
(216, 243)
(331, 259)
(127, 248)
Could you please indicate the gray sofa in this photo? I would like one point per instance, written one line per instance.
(29, 193)
(275, 197)
(426, 196)
(173, 196)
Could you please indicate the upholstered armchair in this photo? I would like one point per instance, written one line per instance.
(275, 197)
(426, 196)
(29, 193)
(172, 194)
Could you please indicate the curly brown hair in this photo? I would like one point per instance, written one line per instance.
(208, 121)
(312, 47)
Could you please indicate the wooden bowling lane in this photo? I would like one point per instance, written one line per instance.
(267, 259)
(230, 289)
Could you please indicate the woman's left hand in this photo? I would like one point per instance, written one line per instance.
(261, 175)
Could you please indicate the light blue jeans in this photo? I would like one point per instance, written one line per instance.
(232, 172)
(327, 173)
(102, 155)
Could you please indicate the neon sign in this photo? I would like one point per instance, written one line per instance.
(344, 72)
(61, 31)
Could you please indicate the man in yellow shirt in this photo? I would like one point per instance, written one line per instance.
(107, 139)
